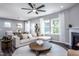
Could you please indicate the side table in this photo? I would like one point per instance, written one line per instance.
(6, 45)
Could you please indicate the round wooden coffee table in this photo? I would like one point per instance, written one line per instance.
(40, 48)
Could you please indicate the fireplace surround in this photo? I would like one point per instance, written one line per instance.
(74, 38)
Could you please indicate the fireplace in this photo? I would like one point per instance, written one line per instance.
(75, 40)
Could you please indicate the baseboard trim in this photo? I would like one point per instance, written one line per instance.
(61, 42)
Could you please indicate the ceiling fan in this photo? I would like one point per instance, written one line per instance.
(34, 8)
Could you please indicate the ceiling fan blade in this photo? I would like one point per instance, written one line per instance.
(34, 6)
(25, 8)
(42, 10)
(40, 6)
(30, 5)
(36, 12)
(29, 12)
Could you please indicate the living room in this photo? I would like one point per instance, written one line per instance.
(54, 24)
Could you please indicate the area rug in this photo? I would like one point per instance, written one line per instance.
(56, 50)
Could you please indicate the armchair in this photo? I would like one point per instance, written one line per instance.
(72, 52)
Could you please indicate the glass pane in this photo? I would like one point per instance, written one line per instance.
(55, 30)
(55, 26)
(7, 24)
(47, 28)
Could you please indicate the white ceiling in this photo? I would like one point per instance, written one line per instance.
(14, 11)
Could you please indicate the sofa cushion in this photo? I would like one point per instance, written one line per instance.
(34, 34)
(24, 41)
(15, 37)
(25, 36)
(30, 36)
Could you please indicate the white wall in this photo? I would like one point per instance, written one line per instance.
(71, 17)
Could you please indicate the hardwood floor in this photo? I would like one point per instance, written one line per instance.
(56, 50)
(9, 52)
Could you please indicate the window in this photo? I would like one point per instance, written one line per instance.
(7, 24)
(55, 26)
(32, 28)
(27, 26)
(47, 26)
(50, 26)
(42, 26)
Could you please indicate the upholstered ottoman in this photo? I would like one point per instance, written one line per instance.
(72, 52)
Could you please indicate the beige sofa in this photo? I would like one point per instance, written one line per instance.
(27, 39)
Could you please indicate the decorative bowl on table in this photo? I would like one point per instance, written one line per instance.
(40, 42)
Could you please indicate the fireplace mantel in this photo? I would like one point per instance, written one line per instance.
(74, 29)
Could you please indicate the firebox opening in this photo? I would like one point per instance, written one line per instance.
(75, 41)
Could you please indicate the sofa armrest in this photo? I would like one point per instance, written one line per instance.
(17, 41)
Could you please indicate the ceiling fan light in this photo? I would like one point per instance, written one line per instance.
(34, 10)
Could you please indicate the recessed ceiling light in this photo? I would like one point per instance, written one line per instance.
(61, 6)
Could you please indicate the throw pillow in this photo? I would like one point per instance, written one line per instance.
(24, 36)
(20, 35)
(29, 36)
